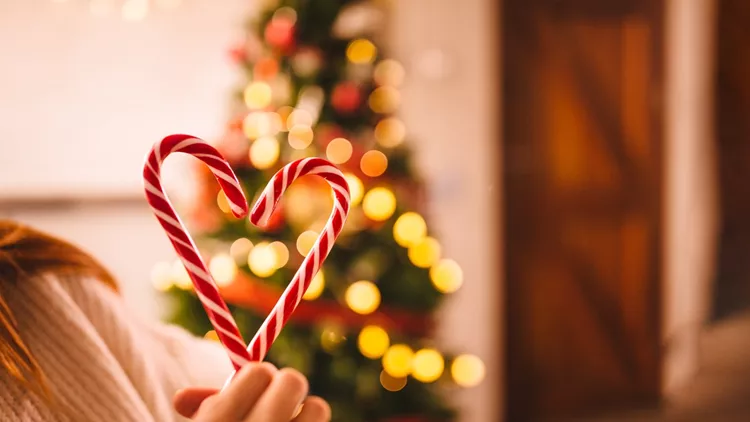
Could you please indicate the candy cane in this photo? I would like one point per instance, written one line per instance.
(205, 287)
(260, 214)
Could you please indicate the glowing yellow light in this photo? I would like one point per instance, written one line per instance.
(258, 95)
(361, 51)
(161, 276)
(260, 124)
(409, 229)
(390, 132)
(339, 151)
(180, 276)
(424, 253)
(223, 202)
(388, 72)
(384, 100)
(373, 163)
(135, 10)
(467, 370)
(390, 383)
(398, 360)
(223, 269)
(316, 287)
(211, 335)
(300, 137)
(284, 113)
(240, 249)
(356, 188)
(264, 152)
(428, 365)
(363, 297)
(331, 338)
(262, 260)
(373, 341)
(305, 242)
(446, 276)
(281, 252)
(379, 204)
(299, 117)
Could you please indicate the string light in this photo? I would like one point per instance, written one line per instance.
(305, 242)
(379, 204)
(240, 249)
(468, 370)
(398, 360)
(428, 365)
(281, 252)
(384, 100)
(361, 51)
(390, 132)
(264, 152)
(316, 287)
(373, 163)
(161, 276)
(389, 72)
(356, 188)
(180, 276)
(373, 342)
(391, 383)
(223, 269)
(300, 136)
(299, 117)
(258, 95)
(339, 151)
(258, 124)
(331, 338)
(409, 229)
(262, 260)
(223, 202)
(446, 276)
(363, 297)
(425, 253)
(284, 112)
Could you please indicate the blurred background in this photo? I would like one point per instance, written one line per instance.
(550, 220)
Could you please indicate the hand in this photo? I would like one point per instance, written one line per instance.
(259, 393)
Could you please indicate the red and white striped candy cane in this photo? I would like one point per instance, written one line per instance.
(205, 287)
(312, 263)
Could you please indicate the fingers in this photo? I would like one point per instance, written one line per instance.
(279, 403)
(250, 383)
(187, 401)
(314, 409)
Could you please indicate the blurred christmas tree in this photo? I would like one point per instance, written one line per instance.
(317, 85)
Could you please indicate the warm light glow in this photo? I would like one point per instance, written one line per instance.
(356, 188)
(211, 335)
(339, 151)
(180, 276)
(363, 297)
(316, 287)
(223, 202)
(373, 341)
(389, 72)
(428, 365)
(373, 163)
(390, 132)
(281, 252)
(286, 13)
(262, 260)
(468, 370)
(223, 269)
(398, 360)
(409, 229)
(300, 136)
(161, 276)
(305, 242)
(379, 204)
(425, 253)
(284, 113)
(446, 276)
(384, 100)
(390, 383)
(299, 117)
(260, 123)
(361, 51)
(258, 95)
(331, 338)
(135, 10)
(240, 249)
(264, 152)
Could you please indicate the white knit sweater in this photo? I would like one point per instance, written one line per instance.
(102, 363)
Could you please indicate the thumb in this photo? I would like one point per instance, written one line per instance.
(188, 401)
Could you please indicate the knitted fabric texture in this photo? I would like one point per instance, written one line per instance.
(101, 362)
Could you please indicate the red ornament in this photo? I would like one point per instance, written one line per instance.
(279, 33)
(346, 97)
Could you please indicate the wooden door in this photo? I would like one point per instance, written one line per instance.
(581, 101)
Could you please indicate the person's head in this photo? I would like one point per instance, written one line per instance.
(25, 255)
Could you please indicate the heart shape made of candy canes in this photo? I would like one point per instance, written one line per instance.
(205, 287)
